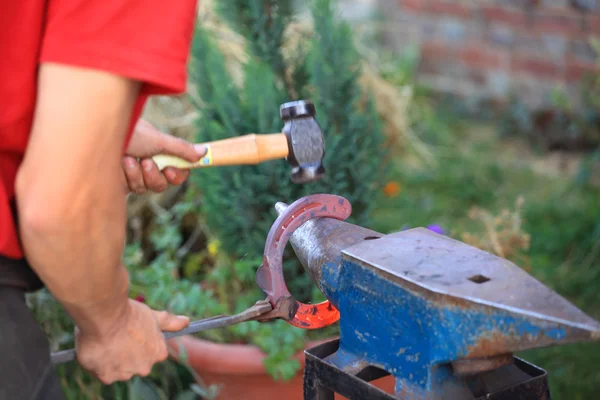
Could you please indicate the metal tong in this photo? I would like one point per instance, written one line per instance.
(253, 313)
(279, 304)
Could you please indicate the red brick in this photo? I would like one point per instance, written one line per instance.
(542, 45)
(430, 66)
(577, 70)
(535, 67)
(431, 49)
(416, 5)
(593, 23)
(453, 8)
(435, 58)
(569, 24)
(501, 14)
(482, 57)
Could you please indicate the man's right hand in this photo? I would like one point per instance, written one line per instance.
(141, 172)
(131, 346)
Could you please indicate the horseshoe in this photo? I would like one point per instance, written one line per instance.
(269, 276)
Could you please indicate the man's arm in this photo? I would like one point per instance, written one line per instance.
(70, 194)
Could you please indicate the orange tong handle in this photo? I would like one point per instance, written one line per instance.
(269, 276)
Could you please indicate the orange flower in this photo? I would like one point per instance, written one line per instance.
(391, 189)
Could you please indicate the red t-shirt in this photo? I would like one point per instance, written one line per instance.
(146, 40)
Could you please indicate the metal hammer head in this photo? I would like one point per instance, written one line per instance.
(305, 141)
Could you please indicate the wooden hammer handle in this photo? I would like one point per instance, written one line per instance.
(243, 150)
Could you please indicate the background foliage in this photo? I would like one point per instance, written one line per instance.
(490, 183)
(325, 70)
(197, 255)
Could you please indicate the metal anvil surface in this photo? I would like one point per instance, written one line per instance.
(428, 309)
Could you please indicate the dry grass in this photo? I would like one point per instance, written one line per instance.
(501, 234)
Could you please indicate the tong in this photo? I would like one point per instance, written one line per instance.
(279, 304)
(253, 313)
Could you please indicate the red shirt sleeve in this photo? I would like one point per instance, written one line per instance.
(146, 40)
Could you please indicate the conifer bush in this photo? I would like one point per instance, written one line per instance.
(238, 201)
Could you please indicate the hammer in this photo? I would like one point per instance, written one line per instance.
(300, 142)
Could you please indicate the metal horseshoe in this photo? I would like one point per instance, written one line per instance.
(269, 276)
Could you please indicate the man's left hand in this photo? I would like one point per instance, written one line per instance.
(141, 173)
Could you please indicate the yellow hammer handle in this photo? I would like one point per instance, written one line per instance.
(243, 150)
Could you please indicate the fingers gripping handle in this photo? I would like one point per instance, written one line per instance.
(258, 309)
(163, 161)
(249, 149)
(269, 276)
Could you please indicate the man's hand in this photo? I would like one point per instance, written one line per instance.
(132, 347)
(142, 173)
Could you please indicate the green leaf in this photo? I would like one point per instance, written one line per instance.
(167, 238)
(179, 304)
(284, 369)
(141, 389)
(187, 395)
(245, 269)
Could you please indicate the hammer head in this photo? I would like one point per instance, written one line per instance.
(305, 141)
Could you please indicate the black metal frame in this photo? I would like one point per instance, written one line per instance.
(519, 381)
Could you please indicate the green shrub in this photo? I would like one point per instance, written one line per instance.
(238, 201)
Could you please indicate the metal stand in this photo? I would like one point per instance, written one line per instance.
(519, 381)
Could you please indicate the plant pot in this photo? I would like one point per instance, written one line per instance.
(239, 371)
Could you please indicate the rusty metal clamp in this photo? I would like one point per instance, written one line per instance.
(269, 276)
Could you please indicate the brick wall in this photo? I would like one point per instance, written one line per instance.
(486, 48)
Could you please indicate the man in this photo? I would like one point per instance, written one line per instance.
(74, 76)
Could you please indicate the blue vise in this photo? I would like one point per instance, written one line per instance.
(430, 310)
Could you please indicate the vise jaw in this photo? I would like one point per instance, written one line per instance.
(430, 310)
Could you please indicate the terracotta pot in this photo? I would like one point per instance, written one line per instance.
(239, 371)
